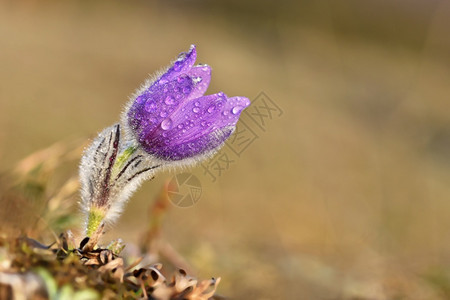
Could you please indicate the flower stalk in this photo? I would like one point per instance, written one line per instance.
(95, 218)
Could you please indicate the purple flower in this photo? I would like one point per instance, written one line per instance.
(173, 120)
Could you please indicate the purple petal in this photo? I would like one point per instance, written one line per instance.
(206, 114)
(201, 75)
(197, 146)
(154, 105)
(231, 111)
(198, 126)
(183, 64)
(151, 108)
(197, 117)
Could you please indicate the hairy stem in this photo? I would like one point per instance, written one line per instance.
(95, 219)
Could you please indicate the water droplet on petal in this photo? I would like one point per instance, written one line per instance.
(203, 123)
(180, 126)
(197, 103)
(237, 109)
(196, 109)
(163, 114)
(166, 124)
(169, 100)
(211, 108)
(225, 113)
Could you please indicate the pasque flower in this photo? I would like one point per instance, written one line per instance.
(168, 122)
(172, 119)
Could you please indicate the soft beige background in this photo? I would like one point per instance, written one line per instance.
(346, 195)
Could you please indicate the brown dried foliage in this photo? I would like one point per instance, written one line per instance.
(101, 269)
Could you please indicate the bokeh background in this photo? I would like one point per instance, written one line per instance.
(344, 196)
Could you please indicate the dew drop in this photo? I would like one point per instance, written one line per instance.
(197, 103)
(203, 123)
(225, 113)
(180, 126)
(211, 108)
(237, 109)
(166, 124)
(196, 109)
(169, 100)
(163, 114)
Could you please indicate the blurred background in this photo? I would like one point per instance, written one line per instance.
(345, 192)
